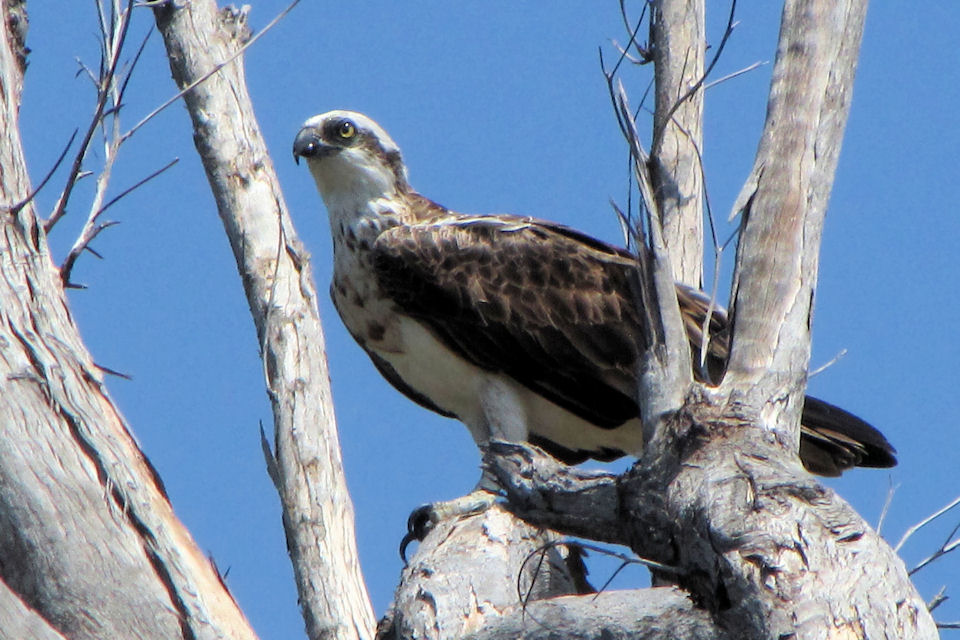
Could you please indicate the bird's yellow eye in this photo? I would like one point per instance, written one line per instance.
(346, 130)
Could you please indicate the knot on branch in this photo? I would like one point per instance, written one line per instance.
(17, 23)
(235, 24)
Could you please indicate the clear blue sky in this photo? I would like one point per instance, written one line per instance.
(498, 109)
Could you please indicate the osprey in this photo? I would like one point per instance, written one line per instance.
(522, 329)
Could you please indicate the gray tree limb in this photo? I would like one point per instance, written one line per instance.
(89, 544)
(678, 29)
(783, 205)
(20, 621)
(318, 513)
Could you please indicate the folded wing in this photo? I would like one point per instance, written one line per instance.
(554, 309)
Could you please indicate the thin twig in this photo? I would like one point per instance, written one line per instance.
(633, 38)
(731, 76)
(643, 52)
(912, 530)
(631, 235)
(128, 72)
(938, 599)
(620, 567)
(948, 546)
(15, 209)
(135, 186)
(886, 505)
(834, 360)
(103, 93)
(731, 24)
(91, 229)
(113, 372)
(540, 554)
(84, 69)
(628, 559)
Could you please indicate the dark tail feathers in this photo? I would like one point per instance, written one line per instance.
(832, 441)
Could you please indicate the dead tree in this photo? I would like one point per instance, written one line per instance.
(749, 545)
(89, 543)
(719, 496)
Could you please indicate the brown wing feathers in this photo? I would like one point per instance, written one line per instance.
(529, 307)
(552, 308)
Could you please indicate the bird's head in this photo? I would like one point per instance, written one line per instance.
(351, 157)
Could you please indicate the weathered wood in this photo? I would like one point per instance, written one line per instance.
(89, 544)
(783, 205)
(663, 613)
(20, 621)
(678, 31)
(757, 543)
(318, 513)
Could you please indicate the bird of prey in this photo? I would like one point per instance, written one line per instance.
(522, 329)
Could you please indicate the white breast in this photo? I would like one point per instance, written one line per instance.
(491, 404)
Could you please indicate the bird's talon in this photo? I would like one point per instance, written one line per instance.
(421, 522)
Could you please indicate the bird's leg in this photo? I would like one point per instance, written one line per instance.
(502, 418)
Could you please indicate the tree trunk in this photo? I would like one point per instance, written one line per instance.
(90, 546)
(743, 530)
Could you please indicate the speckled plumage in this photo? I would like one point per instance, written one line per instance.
(523, 329)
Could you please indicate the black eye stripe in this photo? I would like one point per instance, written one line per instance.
(341, 131)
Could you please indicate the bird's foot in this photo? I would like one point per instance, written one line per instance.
(424, 518)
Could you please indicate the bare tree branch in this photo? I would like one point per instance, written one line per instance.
(678, 27)
(92, 228)
(33, 194)
(203, 46)
(201, 79)
(747, 534)
(950, 544)
(115, 35)
(784, 202)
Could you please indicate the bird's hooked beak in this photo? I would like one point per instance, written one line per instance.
(308, 144)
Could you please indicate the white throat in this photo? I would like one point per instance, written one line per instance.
(352, 177)
(360, 193)
(354, 185)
